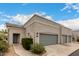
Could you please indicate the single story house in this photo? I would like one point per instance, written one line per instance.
(42, 31)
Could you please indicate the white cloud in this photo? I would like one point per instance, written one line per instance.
(24, 18)
(2, 26)
(24, 4)
(69, 11)
(67, 6)
(1, 12)
(71, 23)
(76, 7)
(48, 17)
(20, 18)
(77, 11)
(40, 13)
(4, 15)
(71, 6)
(44, 15)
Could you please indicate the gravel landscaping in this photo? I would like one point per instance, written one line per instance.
(11, 52)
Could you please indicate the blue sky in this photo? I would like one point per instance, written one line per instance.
(52, 9)
(59, 12)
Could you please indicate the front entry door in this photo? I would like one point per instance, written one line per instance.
(16, 38)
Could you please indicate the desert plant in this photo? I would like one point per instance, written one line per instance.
(1, 38)
(37, 48)
(26, 43)
(3, 47)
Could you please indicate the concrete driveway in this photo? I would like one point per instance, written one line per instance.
(52, 50)
(61, 50)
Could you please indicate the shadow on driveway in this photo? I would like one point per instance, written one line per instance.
(75, 53)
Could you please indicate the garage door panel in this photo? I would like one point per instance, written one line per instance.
(47, 39)
(69, 38)
(64, 38)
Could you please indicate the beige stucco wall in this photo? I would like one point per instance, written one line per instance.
(46, 29)
(15, 30)
(66, 31)
(30, 29)
(77, 33)
(41, 25)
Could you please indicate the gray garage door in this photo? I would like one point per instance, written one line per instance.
(64, 38)
(48, 39)
(69, 38)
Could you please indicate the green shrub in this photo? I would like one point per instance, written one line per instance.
(1, 38)
(37, 48)
(26, 43)
(3, 47)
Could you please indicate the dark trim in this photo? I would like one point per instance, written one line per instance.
(18, 36)
(48, 34)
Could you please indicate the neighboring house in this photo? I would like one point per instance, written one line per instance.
(41, 30)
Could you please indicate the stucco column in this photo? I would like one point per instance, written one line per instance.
(59, 39)
(71, 39)
(67, 39)
(60, 30)
(10, 39)
(37, 36)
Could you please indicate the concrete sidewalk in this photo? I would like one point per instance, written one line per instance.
(21, 51)
(52, 50)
